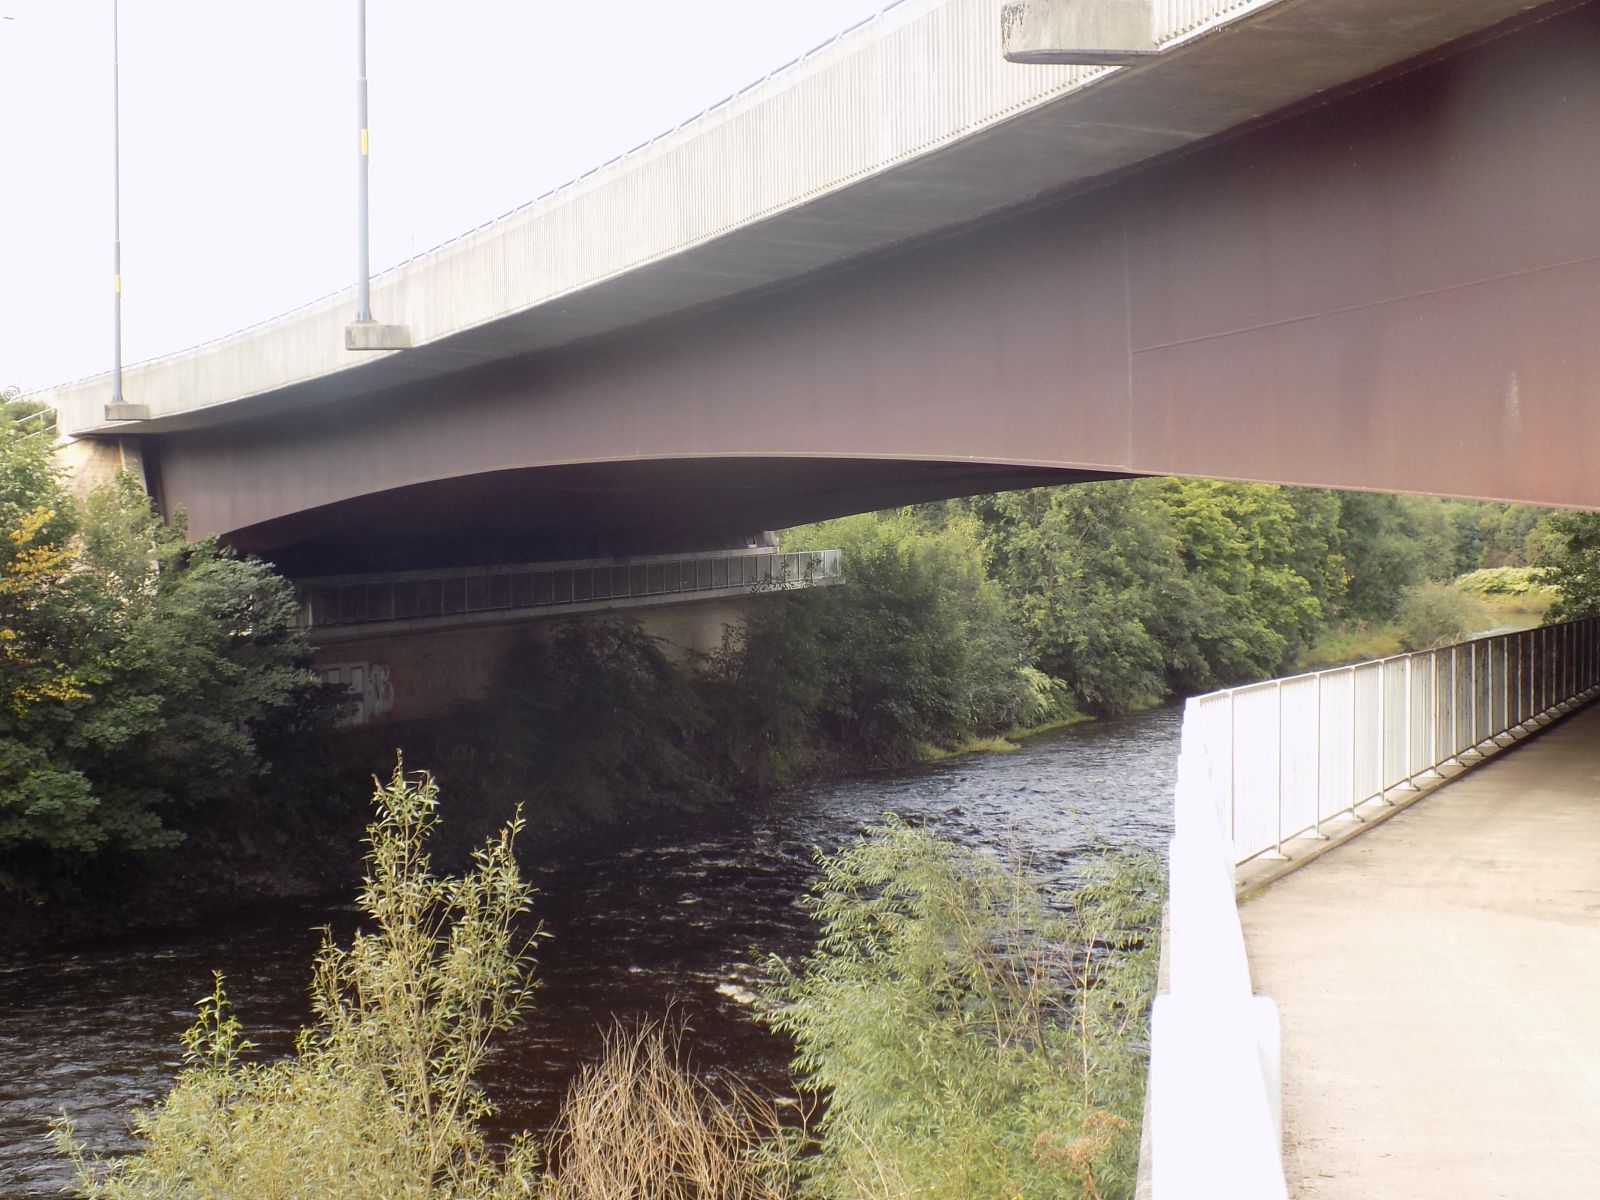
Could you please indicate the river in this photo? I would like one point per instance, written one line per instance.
(678, 917)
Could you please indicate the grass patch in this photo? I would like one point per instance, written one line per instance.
(1004, 742)
(1511, 595)
(1019, 732)
(928, 752)
(1352, 643)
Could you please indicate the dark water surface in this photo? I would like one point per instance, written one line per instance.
(678, 918)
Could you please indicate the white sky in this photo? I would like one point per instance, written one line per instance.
(238, 163)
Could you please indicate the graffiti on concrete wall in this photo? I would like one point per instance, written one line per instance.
(369, 686)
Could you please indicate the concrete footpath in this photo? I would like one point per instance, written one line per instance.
(1439, 984)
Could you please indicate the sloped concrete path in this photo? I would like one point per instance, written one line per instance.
(1439, 985)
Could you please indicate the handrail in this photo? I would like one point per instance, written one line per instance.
(44, 415)
(1352, 735)
(1264, 763)
(420, 595)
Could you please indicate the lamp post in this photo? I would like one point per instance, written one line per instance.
(363, 264)
(364, 333)
(118, 409)
(116, 208)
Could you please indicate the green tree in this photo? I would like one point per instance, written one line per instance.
(917, 644)
(1095, 575)
(1263, 565)
(140, 669)
(1380, 553)
(1434, 614)
(1572, 564)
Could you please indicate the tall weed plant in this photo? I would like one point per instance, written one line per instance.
(971, 1039)
(379, 1100)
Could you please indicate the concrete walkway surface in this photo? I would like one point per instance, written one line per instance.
(1439, 985)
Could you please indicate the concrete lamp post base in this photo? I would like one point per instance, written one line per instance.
(1091, 32)
(373, 335)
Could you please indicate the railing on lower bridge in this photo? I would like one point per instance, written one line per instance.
(435, 596)
(1270, 762)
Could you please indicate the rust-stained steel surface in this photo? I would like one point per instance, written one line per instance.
(1397, 290)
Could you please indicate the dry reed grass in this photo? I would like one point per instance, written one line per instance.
(639, 1125)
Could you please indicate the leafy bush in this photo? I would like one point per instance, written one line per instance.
(969, 1040)
(1434, 614)
(1501, 581)
(917, 646)
(138, 672)
(765, 691)
(1572, 567)
(379, 1100)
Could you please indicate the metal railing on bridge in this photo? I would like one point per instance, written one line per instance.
(1260, 765)
(424, 595)
(1354, 734)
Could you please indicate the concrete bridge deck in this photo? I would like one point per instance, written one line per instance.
(1439, 985)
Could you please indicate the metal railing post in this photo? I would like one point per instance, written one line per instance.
(1233, 769)
(1472, 684)
(1280, 767)
(1355, 749)
(1522, 673)
(1316, 824)
(1455, 739)
(1407, 742)
(1433, 709)
(1505, 684)
(1383, 731)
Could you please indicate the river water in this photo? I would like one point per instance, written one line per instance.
(677, 918)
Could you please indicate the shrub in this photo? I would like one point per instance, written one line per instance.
(379, 1100)
(1434, 614)
(970, 1040)
(1501, 581)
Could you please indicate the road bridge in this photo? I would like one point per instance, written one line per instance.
(1342, 242)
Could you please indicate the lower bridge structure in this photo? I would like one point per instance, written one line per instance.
(413, 644)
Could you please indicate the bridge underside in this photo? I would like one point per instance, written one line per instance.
(607, 509)
(1398, 289)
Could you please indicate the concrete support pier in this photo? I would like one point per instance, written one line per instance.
(1439, 985)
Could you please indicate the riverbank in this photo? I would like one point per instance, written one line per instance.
(243, 860)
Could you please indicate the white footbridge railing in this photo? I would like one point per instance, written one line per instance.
(1262, 765)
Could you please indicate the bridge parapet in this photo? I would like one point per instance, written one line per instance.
(362, 605)
(1272, 762)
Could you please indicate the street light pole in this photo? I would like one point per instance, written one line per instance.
(363, 264)
(116, 209)
(364, 333)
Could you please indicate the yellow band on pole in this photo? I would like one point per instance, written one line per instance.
(116, 282)
(363, 143)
